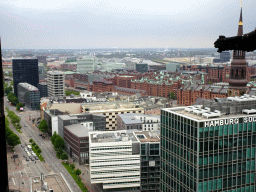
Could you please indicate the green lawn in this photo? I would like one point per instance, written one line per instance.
(75, 177)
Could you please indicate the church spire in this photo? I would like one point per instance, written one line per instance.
(240, 25)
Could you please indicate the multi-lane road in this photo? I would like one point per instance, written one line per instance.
(20, 178)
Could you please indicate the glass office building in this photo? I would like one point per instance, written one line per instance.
(210, 147)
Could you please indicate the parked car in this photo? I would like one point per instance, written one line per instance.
(36, 158)
(27, 159)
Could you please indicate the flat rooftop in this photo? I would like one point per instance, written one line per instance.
(78, 130)
(230, 107)
(54, 181)
(147, 136)
(106, 136)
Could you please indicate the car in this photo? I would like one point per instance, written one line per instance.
(43, 137)
(24, 155)
(40, 134)
(25, 125)
(36, 158)
(22, 146)
(27, 159)
(32, 159)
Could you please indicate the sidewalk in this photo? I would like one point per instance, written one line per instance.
(85, 176)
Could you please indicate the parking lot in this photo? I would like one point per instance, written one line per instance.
(28, 154)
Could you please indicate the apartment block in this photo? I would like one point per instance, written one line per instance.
(55, 83)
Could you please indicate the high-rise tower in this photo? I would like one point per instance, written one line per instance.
(238, 71)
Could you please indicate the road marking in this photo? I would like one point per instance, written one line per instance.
(13, 181)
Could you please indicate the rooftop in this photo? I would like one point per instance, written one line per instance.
(230, 107)
(28, 86)
(78, 129)
(55, 181)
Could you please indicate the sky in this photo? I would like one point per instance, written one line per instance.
(81, 24)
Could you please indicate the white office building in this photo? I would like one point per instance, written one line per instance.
(55, 83)
(114, 161)
(86, 64)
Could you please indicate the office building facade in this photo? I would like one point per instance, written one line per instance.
(29, 96)
(210, 147)
(98, 121)
(55, 83)
(42, 87)
(113, 161)
(24, 71)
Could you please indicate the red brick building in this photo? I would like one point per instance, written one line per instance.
(188, 95)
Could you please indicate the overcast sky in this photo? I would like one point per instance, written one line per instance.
(47, 24)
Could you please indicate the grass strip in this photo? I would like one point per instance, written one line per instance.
(75, 177)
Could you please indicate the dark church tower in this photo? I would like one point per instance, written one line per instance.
(238, 71)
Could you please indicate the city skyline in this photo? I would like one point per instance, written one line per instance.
(113, 24)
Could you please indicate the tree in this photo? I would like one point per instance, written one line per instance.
(43, 126)
(13, 140)
(7, 90)
(12, 98)
(18, 106)
(54, 136)
(78, 172)
(172, 95)
(39, 150)
(59, 142)
(72, 166)
(64, 156)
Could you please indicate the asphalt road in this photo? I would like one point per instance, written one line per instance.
(52, 163)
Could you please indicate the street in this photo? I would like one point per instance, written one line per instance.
(18, 178)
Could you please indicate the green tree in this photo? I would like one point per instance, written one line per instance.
(18, 106)
(43, 126)
(13, 140)
(7, 90)
(78, 172)
(172, 95)
(64, 156)
(72, 166)
(12, 98)
(54, 136)
(59, 142)
(39, 150)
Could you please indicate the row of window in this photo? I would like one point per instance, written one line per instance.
(227, 156)
(225, 143)
(110, 154)
(228, 182)
(110, 148)
(226, 169)
(115, 171)
(116, 177)
(118, 183)
(227, 130)
(113, 160)
(116, 165)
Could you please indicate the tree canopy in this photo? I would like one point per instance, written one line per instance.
(43, 126)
